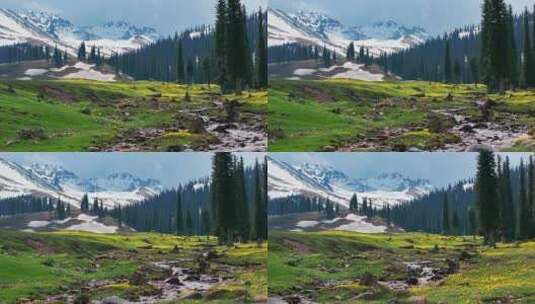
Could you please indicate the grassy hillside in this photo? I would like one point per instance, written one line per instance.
(350, 115)
(63, 266)
(344, 267)
(82, 115)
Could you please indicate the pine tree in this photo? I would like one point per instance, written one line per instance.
(351, 52)
(457, 71)
(353, 203)
(528, 63)
(446, 229)
(508, 207)
(262, 53)
(190, 72)
(455, 223)
(220, 41)
(513, 64)
(189, 224)
(179, 216)
(474, 70)
(180, 77)
(487, 204)
(260, 202)
(447, 64)
(82, 52)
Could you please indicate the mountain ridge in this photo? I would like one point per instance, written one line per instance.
(319, 29)
(55, 181)
(38, 27)
(327, 182)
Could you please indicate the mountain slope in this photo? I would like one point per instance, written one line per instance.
(42, 28)
(53, 181)
(324, 181)
(318, 29)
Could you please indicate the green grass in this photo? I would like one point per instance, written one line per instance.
(327, 115)
(34, 265)
(79, 115)
(326, 267)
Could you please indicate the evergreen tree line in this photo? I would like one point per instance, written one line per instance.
(235, 214)
(296, 52)
(499, 204)
(500, 52)
(32, 204)
(94, 56)
(427, 213)
(230, 205)
(20, 52)
(297, 204)
(198, 55)
(96, 208)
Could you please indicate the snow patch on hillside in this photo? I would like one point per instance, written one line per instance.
(90, 224)
(351, 222)
(358, 224)
(87, 71)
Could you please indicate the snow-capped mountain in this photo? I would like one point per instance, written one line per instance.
(49, 29)
(319, 29)
(54, 181)
(325, 181)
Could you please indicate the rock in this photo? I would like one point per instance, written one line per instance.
(174, 281)
(26, 134)
(412, 281)
(480, 147)
(138, 279)
(467, 129)
(439, 123)
(417, 300)
(113, 300)
(453, 266)
(368, 279)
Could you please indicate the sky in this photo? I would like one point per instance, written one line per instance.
(436, 16)
(441, 169)
(171, 169)
(166, 16)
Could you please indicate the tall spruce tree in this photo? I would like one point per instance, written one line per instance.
(487, 204)
(528, 63)
(448, 72)
(179, 215)
(180, 77)
(262, 53)
(446, 228)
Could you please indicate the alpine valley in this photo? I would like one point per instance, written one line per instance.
(385, 86)
(113, 86)
(394, 239)
(120, 238)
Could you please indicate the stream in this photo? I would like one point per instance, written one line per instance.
(473, 134)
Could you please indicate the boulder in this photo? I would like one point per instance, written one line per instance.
(368, 279)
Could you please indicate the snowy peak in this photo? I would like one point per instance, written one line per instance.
(325, 181)
(396, 182)
(314, 28)
(124, 182)
(43, 28)
(54, 181)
